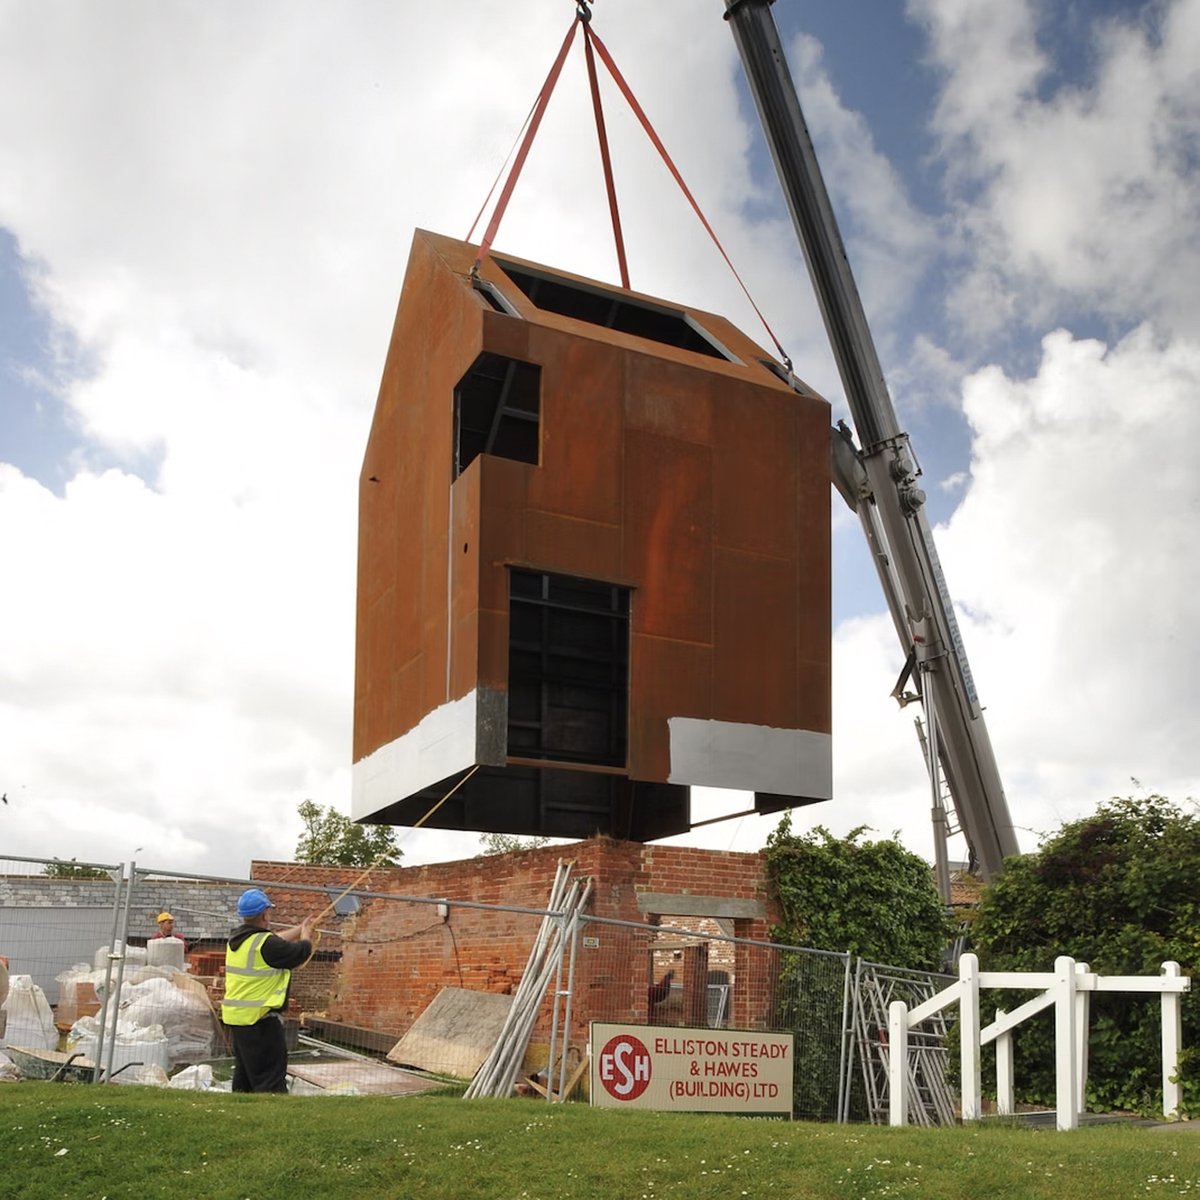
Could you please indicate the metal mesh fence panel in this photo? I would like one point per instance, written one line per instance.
(394, 982)
(932, 1100)
(98, 989)
(48, 922)
(403, 993)
(58, 922)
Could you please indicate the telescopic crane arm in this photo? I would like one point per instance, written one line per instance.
(879, 481)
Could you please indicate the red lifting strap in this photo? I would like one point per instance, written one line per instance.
(604, 156)
(591, 39)
(606, 58)
(539, 110)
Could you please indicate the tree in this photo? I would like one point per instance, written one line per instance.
(333, 840)
(1116, 890)
(873, 899)
(72, 870)
(506, 843)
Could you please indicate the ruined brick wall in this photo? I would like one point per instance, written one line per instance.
(396, 955)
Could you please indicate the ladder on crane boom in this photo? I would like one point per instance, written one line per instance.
(879, 480)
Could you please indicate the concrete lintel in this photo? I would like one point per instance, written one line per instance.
(672, 904)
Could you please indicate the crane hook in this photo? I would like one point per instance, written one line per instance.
(583, 10)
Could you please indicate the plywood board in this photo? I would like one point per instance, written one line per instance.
(455, 1033)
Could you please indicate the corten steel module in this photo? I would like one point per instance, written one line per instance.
(593, 560)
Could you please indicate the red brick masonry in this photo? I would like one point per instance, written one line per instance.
(396, 956)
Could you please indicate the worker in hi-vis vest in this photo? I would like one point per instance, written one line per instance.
(258, 969)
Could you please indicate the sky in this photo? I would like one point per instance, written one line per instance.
(205, 215)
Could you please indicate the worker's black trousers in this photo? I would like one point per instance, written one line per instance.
(259, 1056)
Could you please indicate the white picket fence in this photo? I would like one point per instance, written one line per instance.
(1068, 988)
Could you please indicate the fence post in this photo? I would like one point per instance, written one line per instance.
(1083, 1010)
(123, 941)
(846, 1063)
(1004, 1069)
(897, 1063)
(117, 875)
(1172, 1041)
(1066, 1079)
(972, 1085)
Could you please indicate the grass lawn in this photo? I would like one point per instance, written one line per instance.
(84, 1140)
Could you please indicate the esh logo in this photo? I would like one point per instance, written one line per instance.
(625, 1067)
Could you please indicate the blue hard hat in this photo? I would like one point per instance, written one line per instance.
(253, 901)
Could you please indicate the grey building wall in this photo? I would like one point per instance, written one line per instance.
(48, 925)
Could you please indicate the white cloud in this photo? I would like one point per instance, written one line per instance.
(1079, 194)
(1072, 557)
(991, 58)
(1073, 549)
(929, 376)
(219, 199)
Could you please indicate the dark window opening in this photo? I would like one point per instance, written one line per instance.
(568, 669)
(496, 411)
(613, 311)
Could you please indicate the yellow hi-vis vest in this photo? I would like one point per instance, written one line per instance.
(252, 989)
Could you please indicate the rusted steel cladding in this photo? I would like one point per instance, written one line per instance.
(593, 560)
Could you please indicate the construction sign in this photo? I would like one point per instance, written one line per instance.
(691, 1070)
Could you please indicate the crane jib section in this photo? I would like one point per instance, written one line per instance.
(897, 529)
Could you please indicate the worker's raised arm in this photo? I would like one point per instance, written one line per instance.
(297, 933)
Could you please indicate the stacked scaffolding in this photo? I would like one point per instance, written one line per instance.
(499, 1071)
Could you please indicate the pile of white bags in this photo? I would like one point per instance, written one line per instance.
(146, 1000)
(184, 1015)
(144, 1044)
(30, 1022)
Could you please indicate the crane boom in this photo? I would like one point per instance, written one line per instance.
(879, 481)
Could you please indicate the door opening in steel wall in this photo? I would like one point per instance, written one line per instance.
(568, 669)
